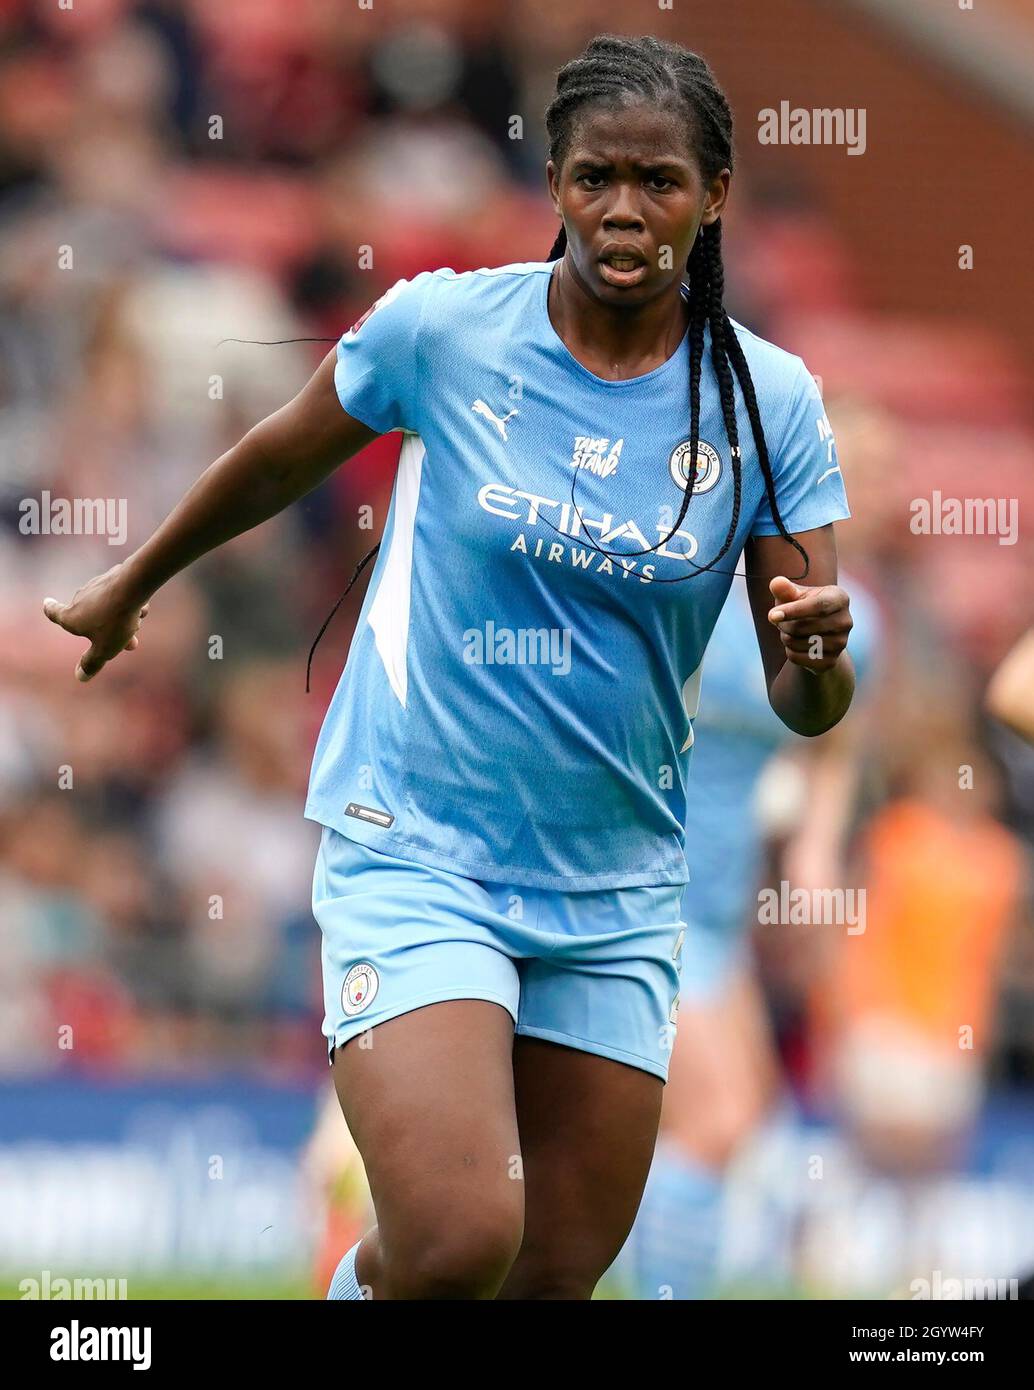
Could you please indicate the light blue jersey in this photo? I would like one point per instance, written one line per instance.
(515, 707)
(737, 732)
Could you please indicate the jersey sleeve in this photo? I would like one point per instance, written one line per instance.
(809, 486)
(378, 375)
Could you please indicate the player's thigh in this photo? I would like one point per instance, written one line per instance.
(429, 1099)
(595, 1027)
(588, 1125)
(420, 997)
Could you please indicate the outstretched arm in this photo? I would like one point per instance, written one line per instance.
(278, 461)
(802, 629)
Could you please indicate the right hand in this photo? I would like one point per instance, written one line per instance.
(100, 612)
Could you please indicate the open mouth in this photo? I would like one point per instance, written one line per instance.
(623, 267)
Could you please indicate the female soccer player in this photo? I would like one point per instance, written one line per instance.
(501, 773)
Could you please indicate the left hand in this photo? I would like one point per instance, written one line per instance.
(813, 623)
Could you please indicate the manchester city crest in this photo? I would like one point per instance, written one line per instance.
(359, 989)
(709, 466)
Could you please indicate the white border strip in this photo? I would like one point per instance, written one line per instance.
(389, 612)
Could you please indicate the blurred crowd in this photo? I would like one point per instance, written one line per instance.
(176, 177)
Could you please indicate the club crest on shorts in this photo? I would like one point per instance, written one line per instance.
(360, 988)
(709, 466)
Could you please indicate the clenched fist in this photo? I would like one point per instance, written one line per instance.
(813, 623)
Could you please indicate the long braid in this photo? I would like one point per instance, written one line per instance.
(721, 330)
(742, 370)
(697, 326)
(615, 69)
(328, 619)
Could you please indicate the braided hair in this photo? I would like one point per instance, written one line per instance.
(615, 70)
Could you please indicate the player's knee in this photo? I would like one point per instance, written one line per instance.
(465, 1256)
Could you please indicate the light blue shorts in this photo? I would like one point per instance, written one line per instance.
(596, 971)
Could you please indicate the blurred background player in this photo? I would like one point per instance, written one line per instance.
(724, 1069)
(753, 785)
(902, 1016)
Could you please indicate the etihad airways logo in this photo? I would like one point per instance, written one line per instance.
(596, 455)
(531, 510)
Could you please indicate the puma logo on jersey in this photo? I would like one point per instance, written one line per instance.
(592, 455)
(479, 408)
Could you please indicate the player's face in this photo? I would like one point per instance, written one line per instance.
(632, 198)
